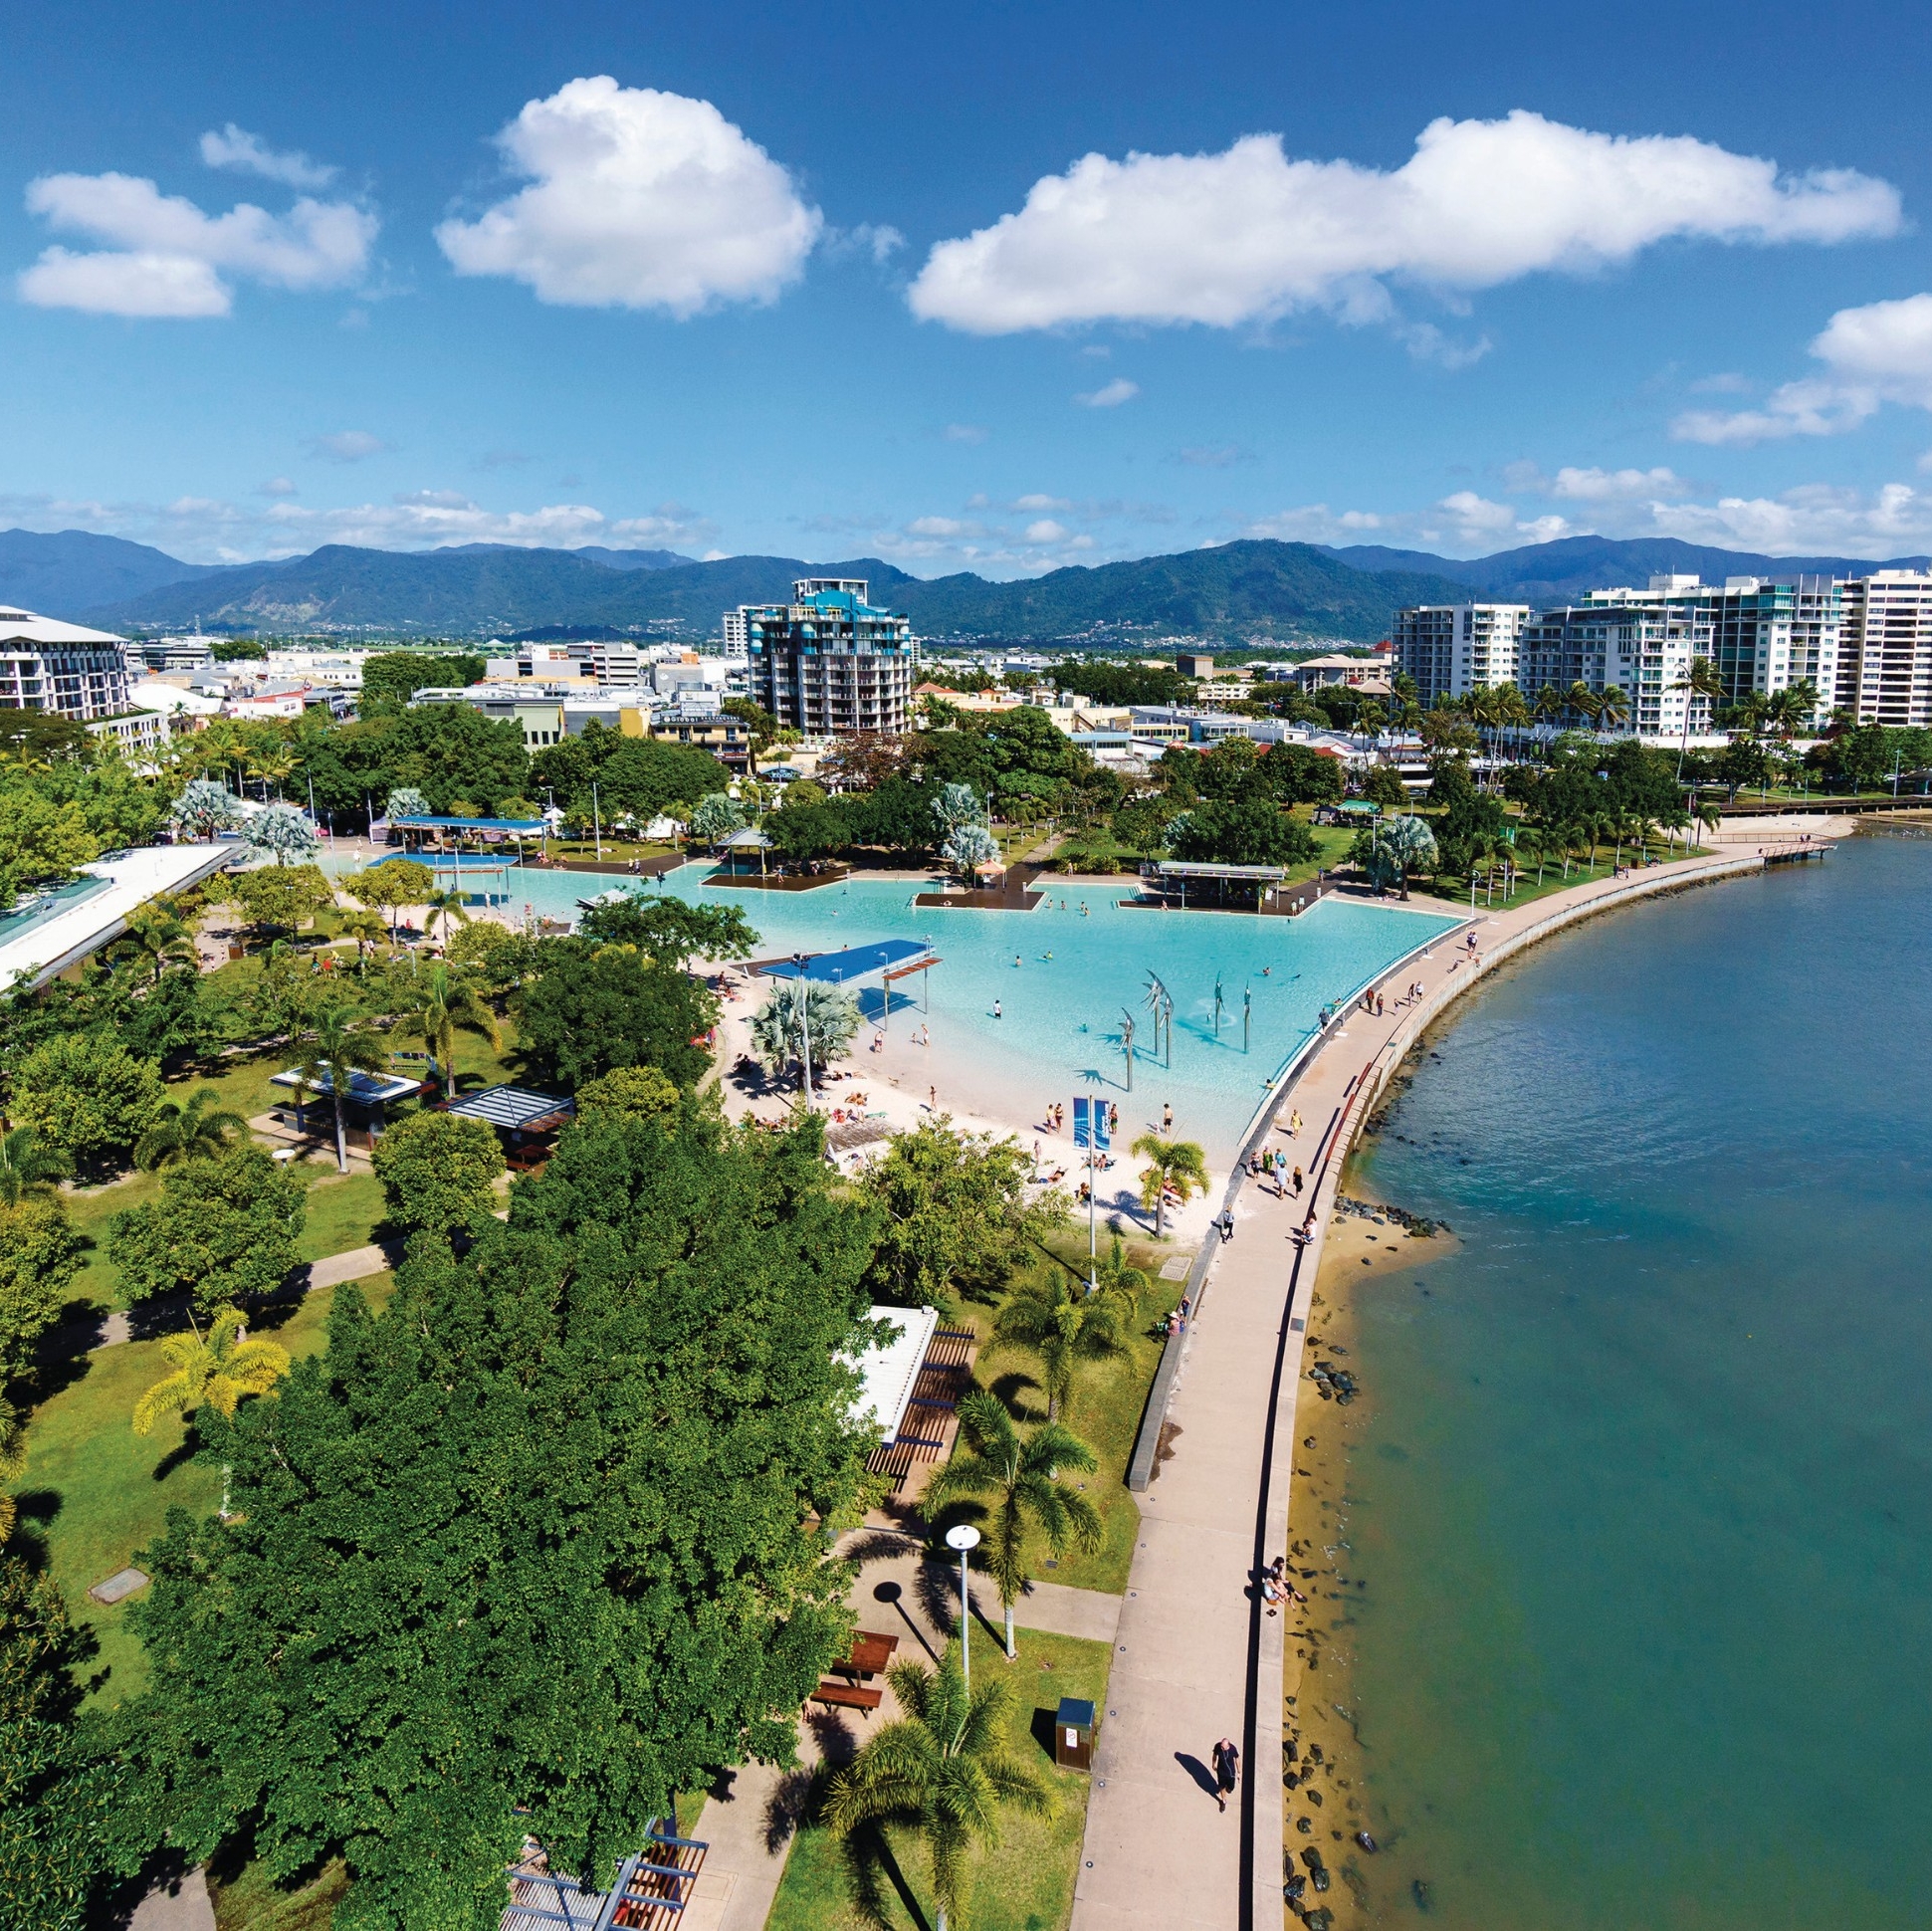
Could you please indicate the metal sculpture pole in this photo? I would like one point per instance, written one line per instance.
(1127, 1044)
(1247, 1015)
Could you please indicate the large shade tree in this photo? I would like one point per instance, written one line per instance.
(539, 1547)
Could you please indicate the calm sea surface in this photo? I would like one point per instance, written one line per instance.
(1644, 1495)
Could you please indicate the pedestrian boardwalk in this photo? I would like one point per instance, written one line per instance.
(1195, 1658)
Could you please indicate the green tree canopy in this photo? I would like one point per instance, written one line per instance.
(956, 1215)
(86, 1094)
(1298, 775)
(280, 897)
(438, 1172)
(40, 1258)
(224, 1229)
(592, 1008)
(391, 678)
(552, 1532)
(1243, 832)
(670, 929)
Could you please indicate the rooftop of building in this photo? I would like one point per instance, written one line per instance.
(28, 627)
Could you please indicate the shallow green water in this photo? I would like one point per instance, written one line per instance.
(1643, 1496)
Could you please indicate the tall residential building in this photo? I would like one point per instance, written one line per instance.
(46, 665)
(1886, 660)
(1643, 648)
(737, 634)
(1450, 649)
(1766, 634)
(830, 661)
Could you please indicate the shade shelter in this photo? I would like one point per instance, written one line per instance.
(528, 1120)
(1173, 876)
(890, 959)
(366, 1098)
(750, 839)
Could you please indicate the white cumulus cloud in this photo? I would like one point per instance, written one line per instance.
(1874, 354)
(1616, 486)
(639, 200)
(235, 147)
(1110, 395)
(165, 256)
(1249, 234)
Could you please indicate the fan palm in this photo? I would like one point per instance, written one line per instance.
(1176, 1163)
(941, 1768)
(1018, 1476)
(198, 1130)
(28, 1166)
(805, 1018)
(218, 1368)
(335, 1049)
(1062, 1324)
(437, 1005)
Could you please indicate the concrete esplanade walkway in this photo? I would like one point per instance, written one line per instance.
(1194, 1658)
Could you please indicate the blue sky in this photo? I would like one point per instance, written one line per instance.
(1003, 289)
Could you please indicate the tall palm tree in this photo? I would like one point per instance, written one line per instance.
(336, 1047)
(218, 1368)
(198, 1130)
(1062, 1324)
(1702, 680)
(1612, 706)
(1580, 698)
(446, 906)
(1512, 713)
(1020, 1476)
(275, 765)
(943, 1769)
(437, 1005)
(1547, 705)
(1176, 1163)
(28, 1166)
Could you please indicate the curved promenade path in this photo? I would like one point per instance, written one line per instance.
(1194, 1658)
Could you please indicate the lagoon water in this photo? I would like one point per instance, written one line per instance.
(1643, 1495)
(1059, 1029)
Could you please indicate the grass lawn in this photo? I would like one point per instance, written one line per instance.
(1527, 889)
(94, 1491)
(1105, 1412)
(1025, 1882)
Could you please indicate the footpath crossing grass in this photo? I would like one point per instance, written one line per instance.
(1024, 1882)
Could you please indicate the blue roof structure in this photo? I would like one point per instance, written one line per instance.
(834, 969)
(363, 1089)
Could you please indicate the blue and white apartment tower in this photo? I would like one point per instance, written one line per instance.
(829, 661)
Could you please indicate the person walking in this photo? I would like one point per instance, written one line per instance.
(996, 1013)
(1227, 1770)
(1298, 1182)
(1166, 1119)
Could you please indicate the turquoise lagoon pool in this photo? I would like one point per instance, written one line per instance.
(1083, 957)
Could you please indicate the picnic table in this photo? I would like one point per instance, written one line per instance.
(871, 1652)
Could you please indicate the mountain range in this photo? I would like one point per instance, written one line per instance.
(1229, 591)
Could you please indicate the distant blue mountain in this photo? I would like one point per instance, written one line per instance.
(64, 572)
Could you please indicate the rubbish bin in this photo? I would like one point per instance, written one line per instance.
(1073, 1734)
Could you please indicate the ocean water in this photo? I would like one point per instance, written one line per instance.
(1643, 1492)
(1060, 1007)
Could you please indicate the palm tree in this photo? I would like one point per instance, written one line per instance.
(28, 1166)
(446, 906)
(1702, 680)
(437, 1005)
(1020, 1476)
(1116, 1276)
(157, 931)
(218, 1368)
(197, 1131)
(1580, 698)
(1612, 708)
(803, 1018)
(1061, 1323)
(1547, 705)
(365, 927)
(1176, 1163)
(942, 1769)
(337, 1047)
(273, 766)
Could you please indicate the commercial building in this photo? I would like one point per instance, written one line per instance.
(548, 713)
(46, 665)
(1886, 659)
(1644, 649)
(830, 662)
(1452, 649)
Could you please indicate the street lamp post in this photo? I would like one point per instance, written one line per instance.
(966, 1539)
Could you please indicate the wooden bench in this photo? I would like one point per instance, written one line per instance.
(852, 1696)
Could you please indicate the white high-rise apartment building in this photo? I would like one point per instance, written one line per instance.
(1452, 649)
(1886, 674)
(47, 665)
(1644, 649)
(738, 635)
